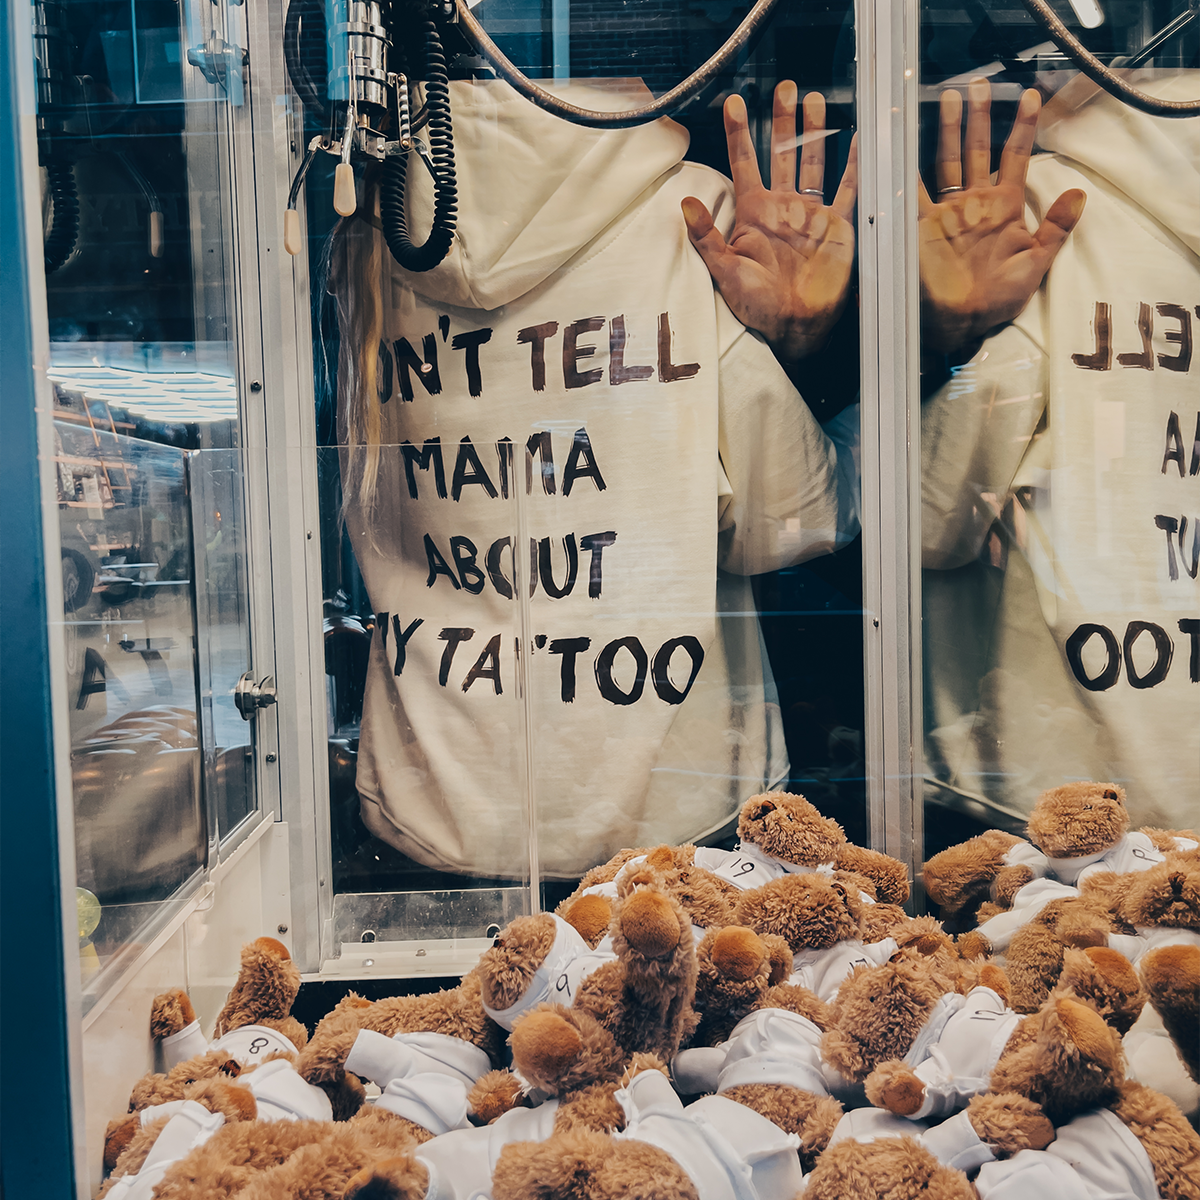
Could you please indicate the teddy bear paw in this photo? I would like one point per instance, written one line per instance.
(400, 1178)
(1010, 1123)
(493, 1094)
(973, 944)
(591, 916)
(892, 1085)
(738, 953)
(170, 1012)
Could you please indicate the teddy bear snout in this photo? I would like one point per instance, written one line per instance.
(738, 953)
(650, 924)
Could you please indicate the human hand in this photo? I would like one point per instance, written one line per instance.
(979, 262)
(785, 270)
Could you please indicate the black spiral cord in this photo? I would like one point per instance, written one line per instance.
(64, 214)
(445, 189)
(302, 80)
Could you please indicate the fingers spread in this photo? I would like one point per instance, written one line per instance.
(979, 133)
(783, 138)
(924, 203)
(743, 162)
(949, 152)
(1061, 218)
(1014, 161)
(812, 158)
(704, 235)
(847, 193)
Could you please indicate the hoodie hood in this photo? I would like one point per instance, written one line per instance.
(533, 189)
(1155, 161)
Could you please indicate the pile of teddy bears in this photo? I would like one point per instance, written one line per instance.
(759, 1024)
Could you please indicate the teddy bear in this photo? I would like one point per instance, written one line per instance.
(821, 918)
(255, 1019)
(779, 833)
(639, 981)
(662, 1149)
(1075, 831)
(960, 1046)
(284, 1160)
(1060, 1119)
(640, 986)
(1152, 917)
(782, 833)
(163, 1133)
(735, 969)
(254, 1025)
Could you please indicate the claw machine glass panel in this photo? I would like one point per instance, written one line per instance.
(134, 124)
(589, 558)
(1058, 476)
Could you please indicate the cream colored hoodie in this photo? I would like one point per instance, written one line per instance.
(1082, 658)
(589, 397)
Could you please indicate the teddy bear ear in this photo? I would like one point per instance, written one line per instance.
(1114, 793)
(758, 807)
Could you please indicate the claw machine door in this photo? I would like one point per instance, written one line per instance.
(147, 315)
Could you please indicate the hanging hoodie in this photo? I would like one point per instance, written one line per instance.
(1061, 488)
(567, 383)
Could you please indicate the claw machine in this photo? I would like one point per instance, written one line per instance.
(415, 490)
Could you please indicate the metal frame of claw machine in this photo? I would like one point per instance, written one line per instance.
(69, 1066)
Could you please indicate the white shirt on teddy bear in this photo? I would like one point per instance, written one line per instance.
(955, 1053)
(190, 1126)
(1093, 1157)
(1134, 852)
(729, 1151)
(824, 971)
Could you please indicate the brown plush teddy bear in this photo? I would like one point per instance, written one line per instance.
(254, 1024)
(663, 1151)
(1075, 831)
(736, 967)
(284, 1160)
(168, 1131)
(821, 918)
(1111, 1137)
(255, 1019)
(780, 833)
(639, 983)
(783, 833)
(1153, 917)
(966, 1039)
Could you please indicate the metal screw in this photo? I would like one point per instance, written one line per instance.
(309, 535)
(875, 622)
(255, 385)
(421, 953)
(273, 757)
(282, 928)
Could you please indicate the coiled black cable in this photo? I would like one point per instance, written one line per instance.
(302, 81)
(445, 188)
(60, 239)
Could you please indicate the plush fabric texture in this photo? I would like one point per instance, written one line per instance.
(265, 989)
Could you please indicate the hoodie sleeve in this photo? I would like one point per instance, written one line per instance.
(975, 433)
(788, 489)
